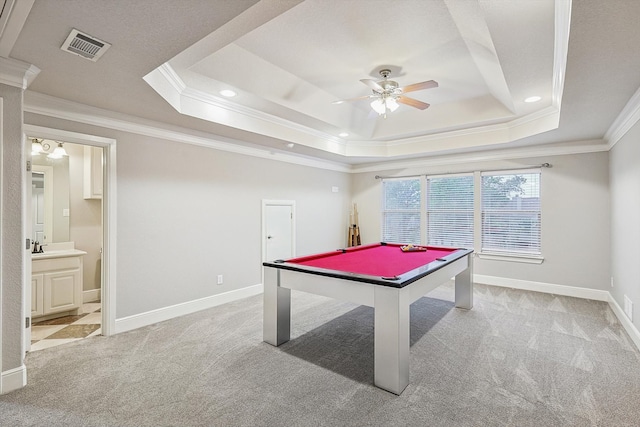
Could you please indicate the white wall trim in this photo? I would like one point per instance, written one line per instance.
(13, 379)
(591, 146)
(91, 295)
(17, 73)
(547, 288)
(628, 326)
(570, 291)
(628, 117)
(46, 105)
(161, 314)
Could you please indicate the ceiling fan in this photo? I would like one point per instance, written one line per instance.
(387, 94)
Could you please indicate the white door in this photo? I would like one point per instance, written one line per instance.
(278, 230)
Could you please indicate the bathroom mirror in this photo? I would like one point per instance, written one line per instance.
(50, 199)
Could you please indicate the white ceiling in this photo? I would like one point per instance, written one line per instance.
(289, 60)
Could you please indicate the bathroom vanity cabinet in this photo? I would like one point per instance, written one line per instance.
(56, 283)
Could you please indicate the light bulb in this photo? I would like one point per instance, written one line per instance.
(58, 152)
(378, 106)
(36, 148)
(392, 104)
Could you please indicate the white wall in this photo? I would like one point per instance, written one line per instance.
(85, 219)
(625, 219)
(575, 217)
(187, 214)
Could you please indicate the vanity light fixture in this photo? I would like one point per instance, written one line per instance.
(58, 152)
(37, 146)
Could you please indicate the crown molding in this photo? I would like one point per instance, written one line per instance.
(17, 73)
(628, 117)
(46, 105)
(592, 146)
(50, 106)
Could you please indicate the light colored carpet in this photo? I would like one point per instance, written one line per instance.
(517, 359)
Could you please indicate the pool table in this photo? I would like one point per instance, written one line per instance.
(379, 275)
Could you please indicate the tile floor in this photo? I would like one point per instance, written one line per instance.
(50, 333)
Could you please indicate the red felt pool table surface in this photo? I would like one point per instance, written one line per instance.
(384, 260)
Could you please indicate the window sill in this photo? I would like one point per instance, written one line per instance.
(528, 259)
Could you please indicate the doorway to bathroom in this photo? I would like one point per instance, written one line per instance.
(66, 205)
(68, 280)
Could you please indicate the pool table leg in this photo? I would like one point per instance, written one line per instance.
(276, 326)
(464, 286)
(391, 339)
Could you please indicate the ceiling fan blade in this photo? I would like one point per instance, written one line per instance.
(373, 85)
(420, 86)
(340, 101)
(412, 102)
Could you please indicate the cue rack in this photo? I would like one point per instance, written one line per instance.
(354, 229)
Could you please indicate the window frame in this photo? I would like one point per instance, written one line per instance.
(514, 256)
(508, 255)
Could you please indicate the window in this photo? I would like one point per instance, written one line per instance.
(450, 211)
(495, 213)
(511, 212)
(401, 200)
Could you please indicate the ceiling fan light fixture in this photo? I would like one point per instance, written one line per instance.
(378, 106)
(392, 104)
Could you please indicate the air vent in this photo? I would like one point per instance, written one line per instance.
(84, 45)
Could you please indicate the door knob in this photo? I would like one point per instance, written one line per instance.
(269, 237)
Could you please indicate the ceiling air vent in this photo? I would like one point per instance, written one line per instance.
(84, 45)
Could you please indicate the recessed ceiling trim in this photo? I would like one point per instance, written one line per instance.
(198, 103)
(12, 18)
(560, 49)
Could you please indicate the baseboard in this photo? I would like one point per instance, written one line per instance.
(159, 315)
(13, 379)
(91, 295)
(625, 322)
(548, 288)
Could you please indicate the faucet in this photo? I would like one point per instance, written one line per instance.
(38, 248)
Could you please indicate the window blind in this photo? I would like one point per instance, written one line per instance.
(511, 212)
(401, 210)
(450, 211)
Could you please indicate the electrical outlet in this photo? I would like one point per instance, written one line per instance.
(219, 279)
(628, 307)
(612, 281)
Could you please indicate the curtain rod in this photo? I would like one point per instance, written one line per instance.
(543, 165)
